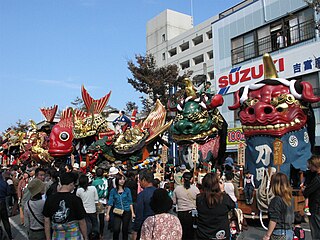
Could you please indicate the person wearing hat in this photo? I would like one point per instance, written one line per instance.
(33, 210)
(64, 212)
(113, 171)
(76, 167)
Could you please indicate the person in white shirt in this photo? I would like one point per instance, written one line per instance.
(281, 40)
(89, 197)
(229, 187)
(185, 198)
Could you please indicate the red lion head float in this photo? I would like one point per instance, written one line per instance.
(273, 106)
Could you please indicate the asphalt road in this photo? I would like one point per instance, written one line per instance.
(254, 232)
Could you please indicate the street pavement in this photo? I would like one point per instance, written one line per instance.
(254, 232)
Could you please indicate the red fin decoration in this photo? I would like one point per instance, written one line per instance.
(49, 113)
(98, 105)
(66, 118)
(133, 117)
(80, 114)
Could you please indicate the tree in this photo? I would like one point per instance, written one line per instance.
(130, 106)
(153, 81)
(78, 104)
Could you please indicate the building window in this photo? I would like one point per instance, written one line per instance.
(211, 75)
(184, 46)
(163, 56)
(209, 34)
(198, 59)
(210, 54)
(163, 37)
(185, 64)
(173, 52)
(197, 40)
(280, 34)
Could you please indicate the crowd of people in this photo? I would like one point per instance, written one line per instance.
(61, 202)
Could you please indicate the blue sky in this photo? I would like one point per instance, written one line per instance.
(49, 48)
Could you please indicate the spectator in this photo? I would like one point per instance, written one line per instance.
(89, 197)
(308, 176)
(121, 200)
(101, 184)
(4, 192)
(143, 209)
(213, 206)
(23, 183)
(162, 225)
(298, 232)
(281, 40)
(178, 175)
(206, 89)
(113, 171)
(64, 212)
(33, 210)
(39, 173)
(185, 198)
(229, 161)
(248, 186)
(229, 187)
(55, 183)
(280, 210)
(312, 191)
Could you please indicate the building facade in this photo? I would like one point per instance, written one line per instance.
(232, 45)
(172, 39)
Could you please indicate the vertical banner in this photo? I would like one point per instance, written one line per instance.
(164, 154)
(241, 154)
(277, 153)
(195, 154)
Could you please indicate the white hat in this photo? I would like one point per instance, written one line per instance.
(76, 165)
(113, 171)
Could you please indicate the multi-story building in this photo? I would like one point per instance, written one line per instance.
(172, 39)
(235, 40)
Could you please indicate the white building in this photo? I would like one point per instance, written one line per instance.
(172, 39)
(231, 44)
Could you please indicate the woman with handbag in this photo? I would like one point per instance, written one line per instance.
(121, 200)
(213, 206)
(280, 210)
(185, 198)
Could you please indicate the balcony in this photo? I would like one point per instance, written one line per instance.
(295, 34)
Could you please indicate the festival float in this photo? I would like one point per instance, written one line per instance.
(199, 130)
(86, 135)
(33, 145)
(279, 126)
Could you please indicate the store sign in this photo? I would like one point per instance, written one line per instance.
(289, 64)
(235, 136)
(238, 75)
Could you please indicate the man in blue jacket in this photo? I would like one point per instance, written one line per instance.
(143, 209)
